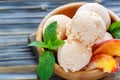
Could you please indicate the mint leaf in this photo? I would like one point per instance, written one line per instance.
(50, 38)
(56, 44)
(38, 44)
(114, 26)
(116, 34)
(50, 32)
(114, 29)
(46, 65)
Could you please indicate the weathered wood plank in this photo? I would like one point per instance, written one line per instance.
(18, 62)
(13, 36)
(22, 53)
(19, 69)
(18, 76)
(22, 14)
(30, 5)
(18, 26)
(13, 47)
(15, 21)
(112, 3)
(15, 32)
(4, 58)
(13, 44)
(17, 40)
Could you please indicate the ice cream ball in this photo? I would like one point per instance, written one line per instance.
(100, 10)
(73, 55)
(62, 21)
(87, 27)
(107, 36)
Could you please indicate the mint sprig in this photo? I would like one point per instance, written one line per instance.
(38, 44)
(114, 26)
(116, 34)
(46, 65)
(50, 37)
(50, 33)
(114, 29)
(46, 60)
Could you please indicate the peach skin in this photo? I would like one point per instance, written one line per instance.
(110, 47)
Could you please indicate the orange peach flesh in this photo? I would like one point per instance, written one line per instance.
(105, 62)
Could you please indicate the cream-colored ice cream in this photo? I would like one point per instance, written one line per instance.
(62, 20)
(87, 27)
(100, 10)
(107, 36)
(73, 55)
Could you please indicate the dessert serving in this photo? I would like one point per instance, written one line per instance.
(78, 41)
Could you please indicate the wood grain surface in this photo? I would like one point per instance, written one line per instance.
(19, 19)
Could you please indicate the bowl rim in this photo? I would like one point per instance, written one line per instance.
(58, 70)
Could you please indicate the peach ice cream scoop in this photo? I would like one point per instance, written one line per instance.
(100, 10)
(73, 55)
(62, 20)
(87, 27)
(107, 36)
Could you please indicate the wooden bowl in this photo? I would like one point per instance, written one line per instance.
(69, 10)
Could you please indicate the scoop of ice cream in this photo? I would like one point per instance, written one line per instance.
(100, 10)
(62, 20)
(87, 27)
(73, 55)
(107, 36)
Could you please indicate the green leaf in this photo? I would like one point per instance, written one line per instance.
(50, 36)
(56, 44)
(38, 44)
(114, 26)
(50, 32)
(116, 34)
(46, 65)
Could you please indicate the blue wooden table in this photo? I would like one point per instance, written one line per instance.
(19, 19)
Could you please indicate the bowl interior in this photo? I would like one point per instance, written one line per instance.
(69, 10)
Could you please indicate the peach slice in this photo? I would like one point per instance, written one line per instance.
(105, 62)
(110, 47)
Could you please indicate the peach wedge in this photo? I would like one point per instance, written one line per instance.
(110, 47)
(105, 62)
